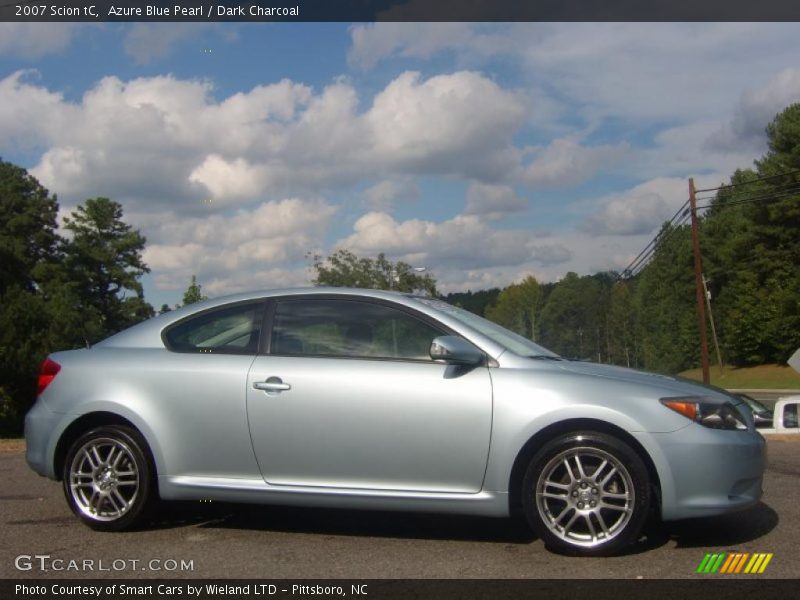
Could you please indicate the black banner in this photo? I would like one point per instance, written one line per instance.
(391, 589)
(400, 10)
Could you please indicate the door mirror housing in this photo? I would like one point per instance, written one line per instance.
(455, 351)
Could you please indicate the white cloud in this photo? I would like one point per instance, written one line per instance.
(685, 150)
(29, 113)
(374, 42)
(465, 241)
(639, 210)
(566, 162)
(141, 141)
(162, 140)
(493, 201)
(220, 248)
(621, 70)
(642, 209)
(34, 40)
(228, 180)
(461, 123)
(756, 108)
(262, 278)
(146, 42)
(383, 196)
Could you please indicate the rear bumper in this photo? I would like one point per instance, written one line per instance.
(40, 424)
(706, 472)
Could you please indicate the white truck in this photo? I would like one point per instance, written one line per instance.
(784, 415)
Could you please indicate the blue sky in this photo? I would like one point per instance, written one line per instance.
(483, 152)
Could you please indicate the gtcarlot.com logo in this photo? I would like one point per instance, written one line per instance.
(45, 562)
(735, 563)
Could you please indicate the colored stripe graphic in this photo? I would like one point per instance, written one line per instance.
(703, 564)
(766, 562)
(717, 564)
(726, 566)
(754, 563)
(735, 562)
(740, 565)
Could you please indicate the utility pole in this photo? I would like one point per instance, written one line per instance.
(698, 281)
(711, 319)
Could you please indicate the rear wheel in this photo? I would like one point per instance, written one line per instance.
(586, 493)
(108, 478)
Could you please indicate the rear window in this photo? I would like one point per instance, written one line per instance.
(230, 330)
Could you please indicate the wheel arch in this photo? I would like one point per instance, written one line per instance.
(90, 421)
(554, 430)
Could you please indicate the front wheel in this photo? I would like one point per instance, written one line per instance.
(586, 493)
(108, 478)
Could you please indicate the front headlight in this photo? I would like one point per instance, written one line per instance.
(714, 413)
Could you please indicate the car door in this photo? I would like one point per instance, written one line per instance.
(348, 397)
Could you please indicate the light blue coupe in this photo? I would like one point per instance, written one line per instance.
(381, 400)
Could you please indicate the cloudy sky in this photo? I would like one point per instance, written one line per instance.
(482, 152)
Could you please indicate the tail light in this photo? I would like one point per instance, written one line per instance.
(47, 373)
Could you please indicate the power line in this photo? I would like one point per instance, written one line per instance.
(653, 241)
(751, 181)
(785, 192)
(657, 243)
(778, 188)
(681, 214)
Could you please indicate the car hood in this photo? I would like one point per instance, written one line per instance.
(677, 386)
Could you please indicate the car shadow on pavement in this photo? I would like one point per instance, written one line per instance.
(344, 522)
(712, 532)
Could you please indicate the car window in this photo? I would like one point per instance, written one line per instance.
(348, 328)
(790, 416)
(232, 330)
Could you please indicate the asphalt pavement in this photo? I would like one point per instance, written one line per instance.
(195, 540)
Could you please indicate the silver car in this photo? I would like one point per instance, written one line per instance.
(381, 400)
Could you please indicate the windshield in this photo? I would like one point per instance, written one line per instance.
(754, 404)
(507, 339)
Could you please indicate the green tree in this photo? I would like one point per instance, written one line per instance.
(193, 293)
(475, 302)
(752, 251)
(665, 304)
(345, 269)
(621, 324)
(28, 252)
(517, 306)
(104, 259)
(28, 236)
(571, 322)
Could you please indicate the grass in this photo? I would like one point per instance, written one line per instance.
(763, 377)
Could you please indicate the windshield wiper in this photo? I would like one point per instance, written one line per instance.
(543, 357)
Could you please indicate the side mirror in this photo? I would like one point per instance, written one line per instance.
(455, 351)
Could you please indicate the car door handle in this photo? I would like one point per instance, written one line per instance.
(273, 384)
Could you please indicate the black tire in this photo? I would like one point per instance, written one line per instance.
(109, 478)
(586, 493)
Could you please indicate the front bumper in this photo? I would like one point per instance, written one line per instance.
(706, 472)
